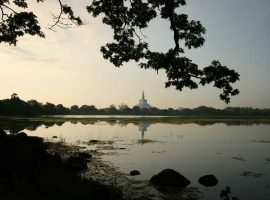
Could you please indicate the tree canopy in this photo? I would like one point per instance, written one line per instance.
(15, 106)
(128, 18)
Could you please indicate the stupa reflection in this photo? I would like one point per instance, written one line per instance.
(143, 128)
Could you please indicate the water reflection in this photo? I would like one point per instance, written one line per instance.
(15, 125)
(143, 128)
(235, 153)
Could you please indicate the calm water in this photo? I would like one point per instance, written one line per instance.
(238, 155)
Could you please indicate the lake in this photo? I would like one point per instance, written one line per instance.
(236, 151)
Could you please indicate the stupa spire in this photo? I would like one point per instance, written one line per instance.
(143, 102)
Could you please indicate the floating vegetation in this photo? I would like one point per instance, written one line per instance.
(159, 152)
(261, 141)
(238, 158)
(145, 141)
(225, 194)
(250, 174)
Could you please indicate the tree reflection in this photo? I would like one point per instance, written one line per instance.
(15, 125)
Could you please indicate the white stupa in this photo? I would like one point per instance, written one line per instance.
(143, 102)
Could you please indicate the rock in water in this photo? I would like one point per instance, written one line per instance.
(3, 134)
(169, 177)
(93, 142)
(77, 163)
(86, 156)
(134, 173)
(208, 180)
(22, 136)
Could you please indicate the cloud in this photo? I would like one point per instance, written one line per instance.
(20, 53)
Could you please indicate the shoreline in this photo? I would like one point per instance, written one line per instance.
(105, 173)
(141, 119)
(33, 169)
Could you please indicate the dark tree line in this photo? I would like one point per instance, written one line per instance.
(17, 106)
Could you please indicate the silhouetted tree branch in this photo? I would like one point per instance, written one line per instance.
(66, 18)
(126, 17)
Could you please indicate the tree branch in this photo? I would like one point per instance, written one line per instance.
(170, 9)
(57, 19)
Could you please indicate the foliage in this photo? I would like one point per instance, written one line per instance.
(16, 106)
(127, 18)
(226, 194)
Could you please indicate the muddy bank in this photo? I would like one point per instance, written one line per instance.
(33, 169)
(131, 189)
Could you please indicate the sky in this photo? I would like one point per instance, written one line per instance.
(67, 67)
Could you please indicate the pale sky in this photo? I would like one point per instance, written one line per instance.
(68, 68)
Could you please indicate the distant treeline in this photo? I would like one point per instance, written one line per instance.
(16, 106)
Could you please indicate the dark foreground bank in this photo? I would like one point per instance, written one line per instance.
(29, 170)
